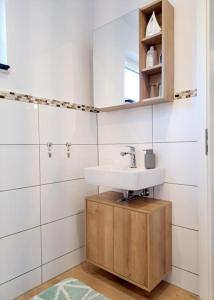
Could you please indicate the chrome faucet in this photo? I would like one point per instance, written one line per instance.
(132, 154)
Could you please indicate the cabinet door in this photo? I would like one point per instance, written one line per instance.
(99, 234)
(130, 245)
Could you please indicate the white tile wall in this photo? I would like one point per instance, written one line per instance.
(134, 126)
(178, 154)
(62, 237)
(20, 285)
(59, 167)
(64, 199)
(185, 249)
(18, 123)
(184, 203)
(63, 263)
(180, 161)
(19, 253)
(177, 121)
(26, 204)
(19, 166)
(67, 125)
(19, 210)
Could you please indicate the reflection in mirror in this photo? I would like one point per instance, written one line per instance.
(116, 62)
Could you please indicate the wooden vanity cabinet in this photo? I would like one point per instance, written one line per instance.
(129, 239)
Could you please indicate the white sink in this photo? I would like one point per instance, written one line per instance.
(124, 178)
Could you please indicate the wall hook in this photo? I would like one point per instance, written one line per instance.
(49, 145)
(68, 146)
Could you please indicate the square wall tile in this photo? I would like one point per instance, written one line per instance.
(185, 249)
(178, 121)
(180, 161)
(19, 210)
(61, 125)
(18, 122)
(125, 126)
(63, 264)
(19, 166)
(19, 254)
(60, 168)
(20, 285)
(186, 280)
(61, 237)
(110, 155)
(185, 44)
(64, 199)
(184, 203)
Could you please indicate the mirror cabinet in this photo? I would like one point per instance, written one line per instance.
(123, 74)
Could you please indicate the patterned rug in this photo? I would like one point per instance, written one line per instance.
(70, 289)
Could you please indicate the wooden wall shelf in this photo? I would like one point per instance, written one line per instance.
(153, 70)
(163, 73)
(153, 40)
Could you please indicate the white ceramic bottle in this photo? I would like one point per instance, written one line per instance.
(151, 57)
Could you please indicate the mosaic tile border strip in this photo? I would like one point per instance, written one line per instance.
(55, 103)
(186, 94)
(63, 104)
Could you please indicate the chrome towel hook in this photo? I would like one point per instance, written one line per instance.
(49, 145)
(68, 146)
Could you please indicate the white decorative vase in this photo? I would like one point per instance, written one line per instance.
(153, 26)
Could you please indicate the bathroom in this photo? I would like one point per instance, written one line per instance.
(66, 114)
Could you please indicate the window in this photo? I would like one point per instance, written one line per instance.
(131, 85)
(3, 41)
(131, 80)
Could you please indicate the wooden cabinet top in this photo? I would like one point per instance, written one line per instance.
(144, 205)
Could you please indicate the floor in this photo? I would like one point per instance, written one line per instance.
(113, 287)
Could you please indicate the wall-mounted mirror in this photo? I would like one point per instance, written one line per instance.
(116, 62)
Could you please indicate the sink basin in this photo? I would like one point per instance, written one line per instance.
(124, 178)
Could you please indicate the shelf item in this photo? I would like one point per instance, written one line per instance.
(152, 27)
(132, 239)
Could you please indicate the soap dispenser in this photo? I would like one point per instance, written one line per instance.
(149, 159)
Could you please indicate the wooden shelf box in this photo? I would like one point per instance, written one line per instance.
(163, 73)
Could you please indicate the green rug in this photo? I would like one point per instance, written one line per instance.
(70, 289)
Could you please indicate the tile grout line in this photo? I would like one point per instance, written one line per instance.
(70, 216)
(98, 148)
(149, 142)
(153, 188)
(3, 283)
(43, 184)
(41, 225)
(58, 257)
(16, 277)
(185, 270)
(81, 178)
(187, 228)
(40, 192)
(67, 253)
